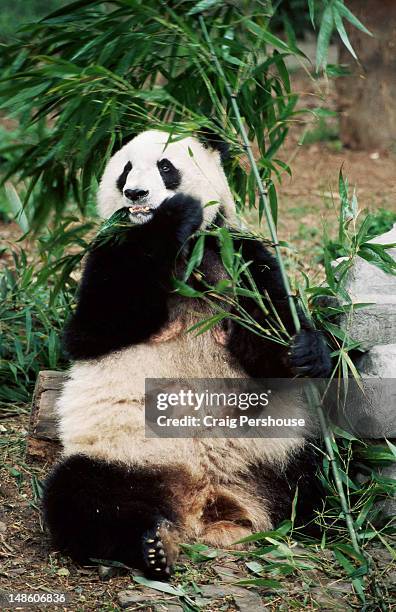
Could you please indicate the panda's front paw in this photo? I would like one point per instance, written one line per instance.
(309, 354)
(185, 213)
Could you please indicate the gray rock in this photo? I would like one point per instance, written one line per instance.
(381, 556)
(390, 580)
(215, 591)
(328, 600)
(375, 324)
(228, 573)
(105, 572)
(249, 601)
(379, 362)
(131, 597)
(365, 283)
(369, 409)
(375, 328)
(388, 506)
(341, 587)
(3, 527)
(245, 600)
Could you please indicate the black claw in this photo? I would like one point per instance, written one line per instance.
(154, 555)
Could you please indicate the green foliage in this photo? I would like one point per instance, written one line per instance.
(105, 71)
(330, 300)
(35, 299)
(354, 239)
(332, 19)
(96, 72)
(30, 330)
(380, 222)
(324, 130)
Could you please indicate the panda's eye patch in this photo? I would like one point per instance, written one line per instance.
(169, 174)
(123, 176)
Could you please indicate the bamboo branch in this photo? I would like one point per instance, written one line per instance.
(313, 395)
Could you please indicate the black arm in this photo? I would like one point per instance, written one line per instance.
(308, 353)
(126, 282)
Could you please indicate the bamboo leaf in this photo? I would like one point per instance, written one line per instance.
(17, 207)
(325, 31)
(311, 8)
(164, 587)
(342, 32)
(255, 567)
(226, 250)
(185, 290)
(265, 583)
(204, 5)
(391, 447)
(346, 13)
(195, 257)
(269, 38)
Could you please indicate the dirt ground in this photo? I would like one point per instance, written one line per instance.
(28, 565)
(306, 200)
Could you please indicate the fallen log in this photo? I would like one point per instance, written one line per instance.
(43, 442)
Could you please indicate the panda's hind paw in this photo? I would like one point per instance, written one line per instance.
(154, 554)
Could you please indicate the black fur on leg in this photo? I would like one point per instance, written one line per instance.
(126, 283)
(97, 510)
(277, 487)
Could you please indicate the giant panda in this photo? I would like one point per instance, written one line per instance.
(115, 494)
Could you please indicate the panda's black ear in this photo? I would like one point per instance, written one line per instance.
(120, 140)
(214, 141)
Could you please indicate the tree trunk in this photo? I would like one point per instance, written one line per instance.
(367, 98)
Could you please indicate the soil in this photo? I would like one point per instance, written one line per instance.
(27, 564)
(310, 195)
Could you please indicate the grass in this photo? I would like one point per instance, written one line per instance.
(29, 330)
(37, 289)
(326, 131)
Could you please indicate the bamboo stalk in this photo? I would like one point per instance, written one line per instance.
(313, 395)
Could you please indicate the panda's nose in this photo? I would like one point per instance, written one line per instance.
(135, 194)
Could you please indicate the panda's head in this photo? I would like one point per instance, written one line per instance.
(151, 168)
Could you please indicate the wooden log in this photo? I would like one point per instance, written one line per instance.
(43, 442)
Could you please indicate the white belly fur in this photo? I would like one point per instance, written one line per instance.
(101, 408)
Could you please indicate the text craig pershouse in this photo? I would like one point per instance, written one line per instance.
(224, 408)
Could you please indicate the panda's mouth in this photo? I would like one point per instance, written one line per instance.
(135, 210)
(140, 214)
